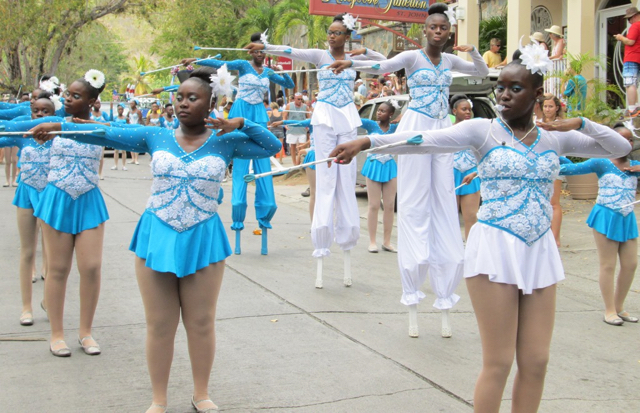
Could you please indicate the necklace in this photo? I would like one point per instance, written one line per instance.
(513, 135)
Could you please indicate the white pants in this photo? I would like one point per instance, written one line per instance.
(335, 195)
(429, 238)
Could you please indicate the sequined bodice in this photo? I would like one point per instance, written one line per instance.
(185, 190)
(253, 88)
(464, 160)
(336, 90)
(34, 165)
(616, 190)
(516, 190)
(429, 90)
(74, 166)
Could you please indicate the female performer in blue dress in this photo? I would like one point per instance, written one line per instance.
(34, 169)
(381, 172)
(335, 120)
(465, 169)
(614, 226)
(511, 261)
(253, 85)
(180, 242)
(429, 241)
(73, 213)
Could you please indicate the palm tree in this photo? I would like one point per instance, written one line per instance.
(296, 12)
(262, 16)
(143, 83)
(495, 26)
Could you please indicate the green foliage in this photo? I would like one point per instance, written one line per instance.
(495, 26)
(595, 105)
(296, 12)
(37, 35)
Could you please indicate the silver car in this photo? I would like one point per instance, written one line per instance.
(478, 89)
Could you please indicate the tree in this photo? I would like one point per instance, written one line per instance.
(262, 16)
(495, 26)
(36, 35)
(296, 12)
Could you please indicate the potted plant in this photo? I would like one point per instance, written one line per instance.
(588, 99)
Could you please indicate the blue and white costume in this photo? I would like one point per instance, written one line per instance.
(615, 189)
(173, 124)
(335, 120)
(379, 167)
(7, 105)
(104, 117)
(71, 202)
(21, 109)
(34, 169)
(465, 163)
(429, 239)
(180, 231)
(249, 104)
(511, 241)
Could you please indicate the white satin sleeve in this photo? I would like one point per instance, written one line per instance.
(404, 60)
(592, 140)
(313, 56)
(477, 67)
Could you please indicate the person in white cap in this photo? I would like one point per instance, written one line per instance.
(538, 37)
(631, 65)
(362, 89)
(555, 32)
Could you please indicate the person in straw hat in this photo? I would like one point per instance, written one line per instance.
(631, 65)
(538, 37)
(555, 32)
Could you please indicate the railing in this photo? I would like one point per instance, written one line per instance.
(553, 84)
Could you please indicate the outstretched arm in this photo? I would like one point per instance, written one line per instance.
(284, 80)
(478, 67)
(252, 141)
(306, 55)
(585, 138)
(582, 168)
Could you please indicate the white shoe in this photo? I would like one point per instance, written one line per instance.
(114, 168)
(124, 168)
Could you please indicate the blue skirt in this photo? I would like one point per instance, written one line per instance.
(72, 216)
(612, 224)
(243, 109)
(26, 196)
(472, 188)
(180, 253)
(378, 171)
(311, 157)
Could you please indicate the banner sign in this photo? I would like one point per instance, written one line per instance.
(410, 11)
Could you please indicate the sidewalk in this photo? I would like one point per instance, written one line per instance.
(284, 346)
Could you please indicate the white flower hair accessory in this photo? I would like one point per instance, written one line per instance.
(264, 38)
(451, 14)
(470, 103)
(349, 21)
(221, 83)
(57, 104)
(394, 103)
(535, 58)
(62, 87)
(47, 86)
(55, 80)
(95, 78)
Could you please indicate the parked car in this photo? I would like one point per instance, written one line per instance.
(478, 89)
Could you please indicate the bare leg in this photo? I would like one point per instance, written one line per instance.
(28, 230)
(556, 219)
(469, 204)
(536, 317)
(389, 191)
(199, 296)
(160, 296)
(44, 252)
(293, 148)
(632, 95)
(628, 252)
(101, 165)
(14, 166)
(607, 255)
(115, 159)
(89, 261)
(496, 309)
(60, 248)
(311, 177)
(374, 193)
(7, 165)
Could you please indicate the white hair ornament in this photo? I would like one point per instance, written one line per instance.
(535, 58)
(451, 14)
(349, 21)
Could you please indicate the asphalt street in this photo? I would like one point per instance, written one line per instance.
(285, 346)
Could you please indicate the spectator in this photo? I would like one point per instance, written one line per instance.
(555, 32)
(631, 65)
(297, 111)
(538, 37)
(492, 56)
(305, 96)
(358, 99)
(576, 90)
(374, 90)
(361, 88)
(227, 108)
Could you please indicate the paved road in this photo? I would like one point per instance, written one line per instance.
(285, 346)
